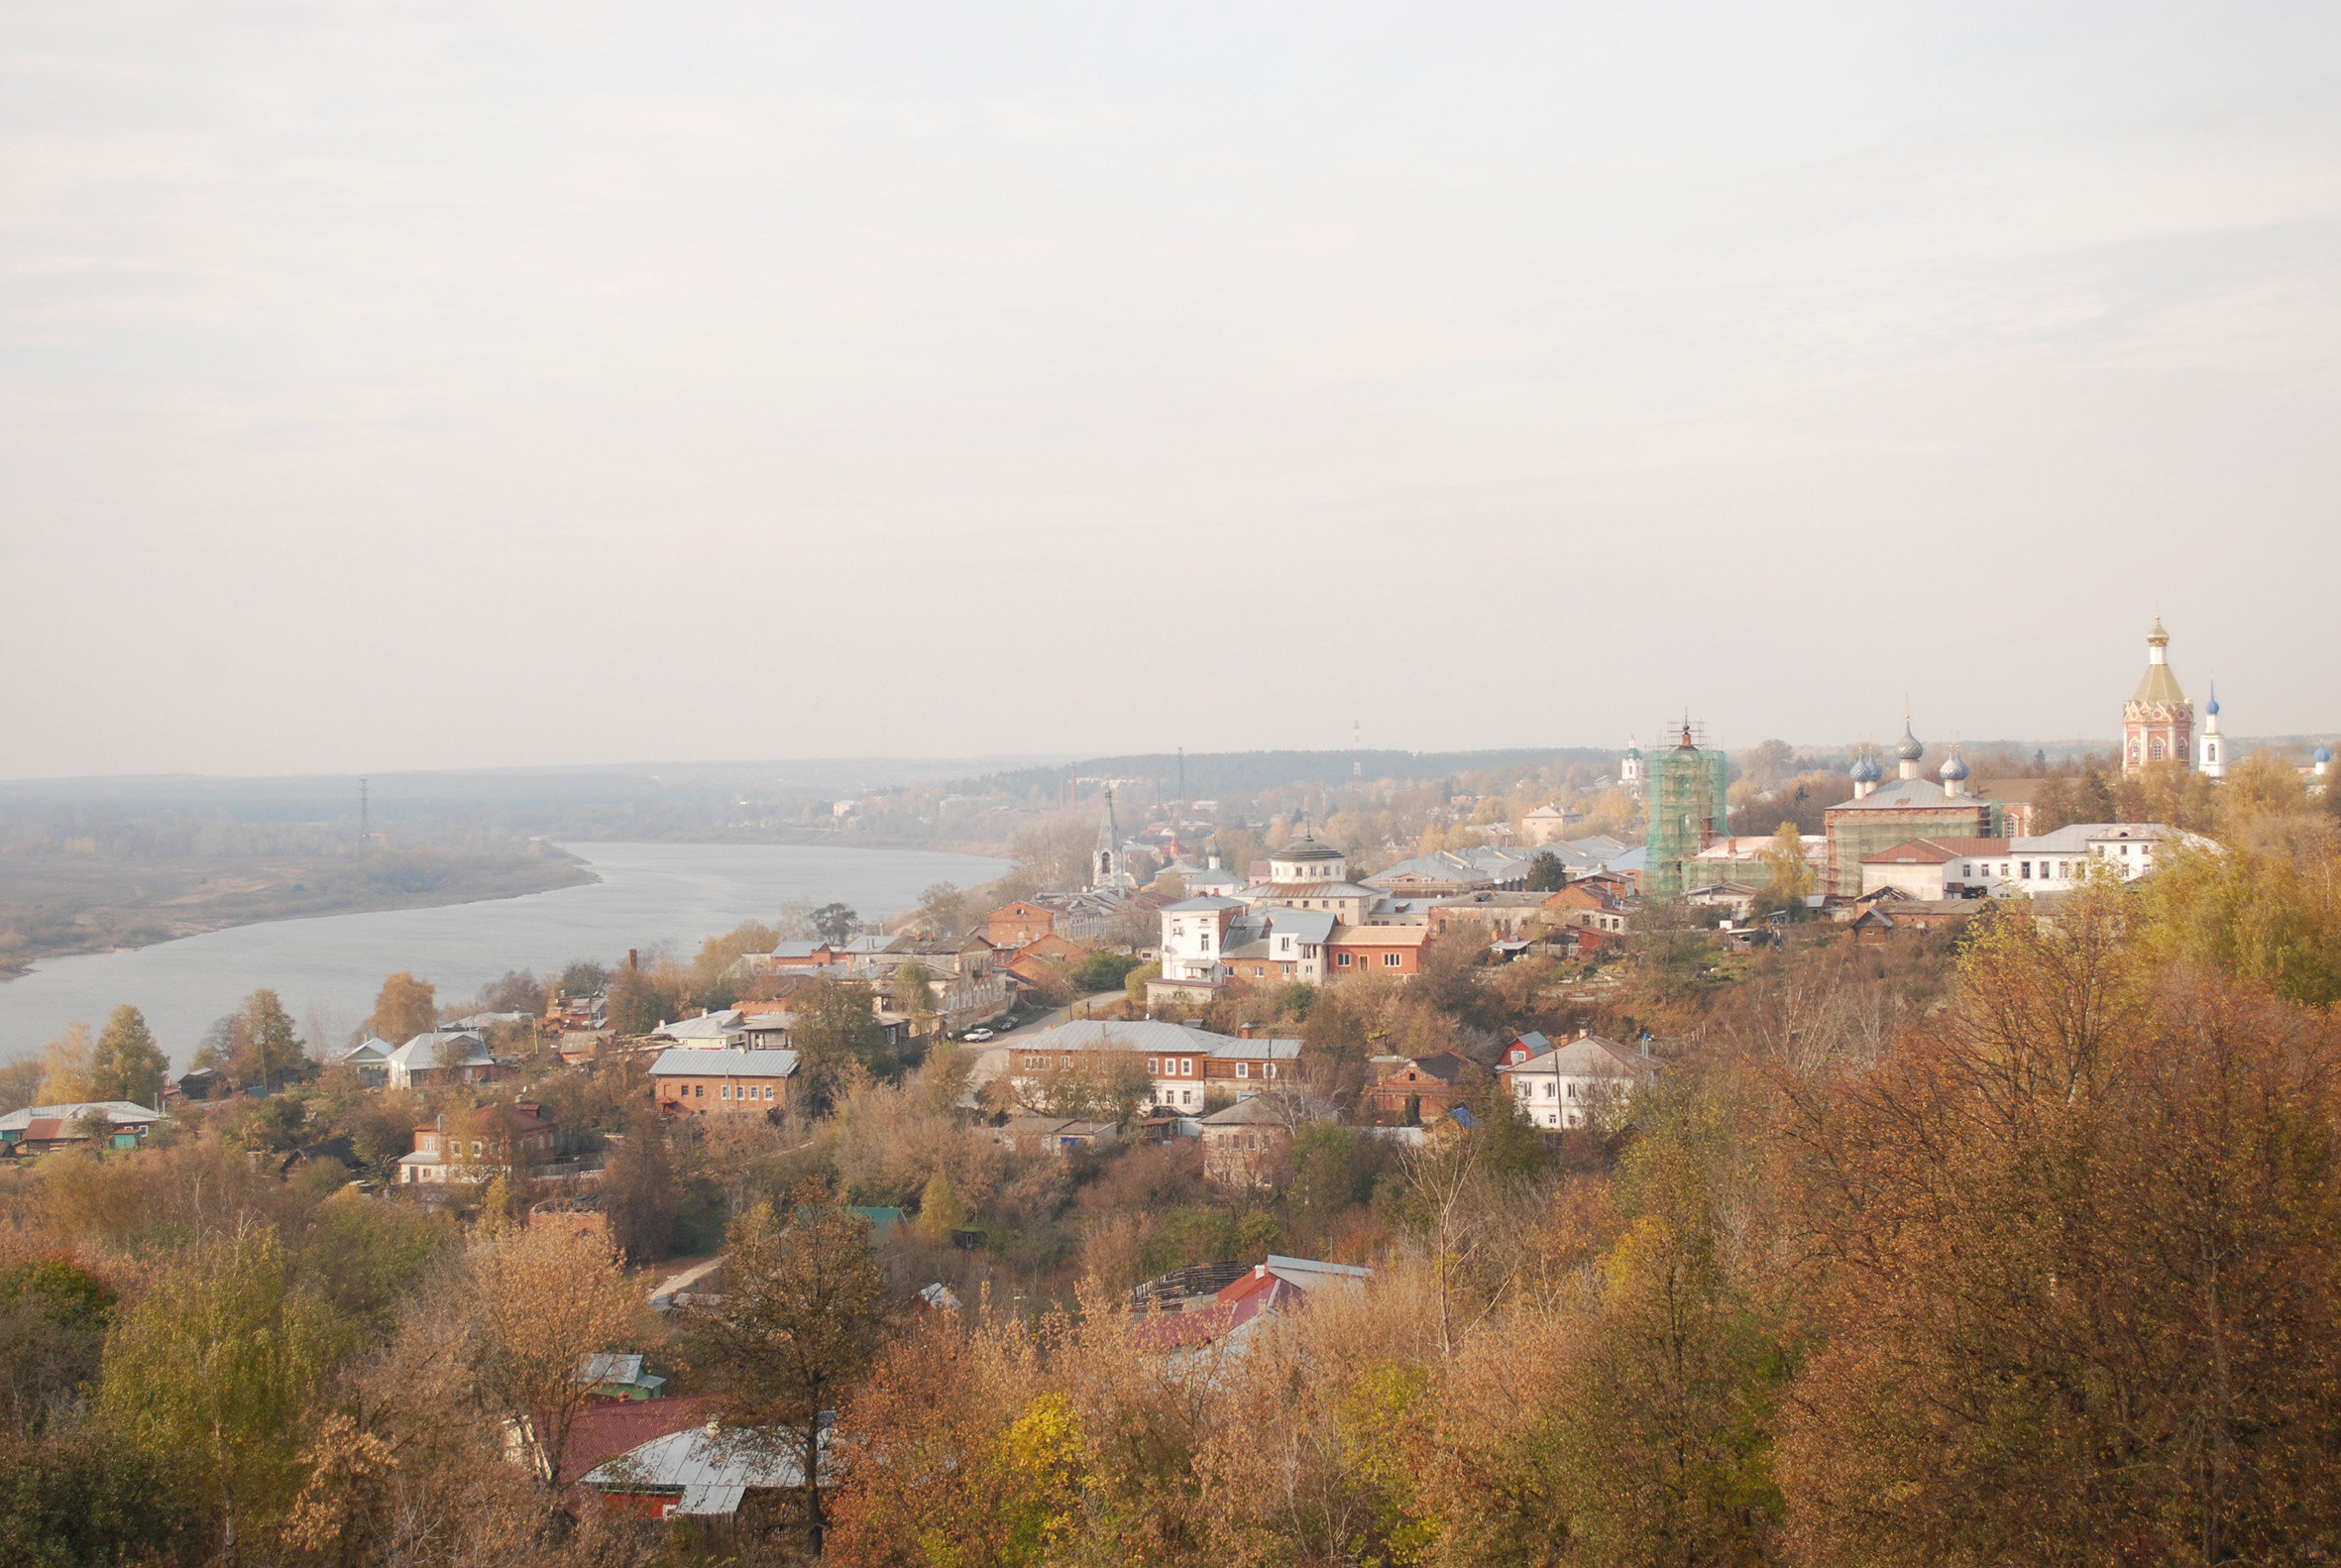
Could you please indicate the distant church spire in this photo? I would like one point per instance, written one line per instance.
(1107, 872)
(2215, 747)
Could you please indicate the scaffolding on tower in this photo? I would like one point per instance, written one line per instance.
(1688, 811)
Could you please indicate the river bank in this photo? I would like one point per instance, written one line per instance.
(55, 904)
(327, 970)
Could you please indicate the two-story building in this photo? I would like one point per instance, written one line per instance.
(1585, 1081)
(1186, 1068)
(1195, 935)
(1013, 924)
(486, 1142)
(722, 1082)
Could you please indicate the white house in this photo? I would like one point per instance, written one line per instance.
(722, 1030)
(371, 1057)
(2058, 862)
(449, 1057)
(1583, 1080)
(1193, 936)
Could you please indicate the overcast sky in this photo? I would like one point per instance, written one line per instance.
(416, 386)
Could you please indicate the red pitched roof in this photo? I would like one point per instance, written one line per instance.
(606, 1428)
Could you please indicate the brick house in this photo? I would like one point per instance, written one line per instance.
(1377, 949)
(1506, 915)
(1042, 959)
(1430, 1085)
(1244, 1143)
(494, 1140)
(1019, 925)
(722, 1082)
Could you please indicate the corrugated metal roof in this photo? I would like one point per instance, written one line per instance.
(680, 1061)
(119, 1111)
(711, 1470)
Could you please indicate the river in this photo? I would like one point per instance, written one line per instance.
(328, 969)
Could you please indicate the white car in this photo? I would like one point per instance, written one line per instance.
(976, 1036)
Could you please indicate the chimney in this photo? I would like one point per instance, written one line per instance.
(633, 959)
(1243, 1032)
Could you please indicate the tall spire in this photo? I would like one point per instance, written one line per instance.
(1106, 869)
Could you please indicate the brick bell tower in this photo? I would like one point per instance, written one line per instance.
(2158, 722)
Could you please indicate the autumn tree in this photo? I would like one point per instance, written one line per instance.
(262, 1048)
(127, 1065)
(714, 979)
(836, 922)
(53, 1315)
(546, 1298)
(644, 996)
(943, 909)
(1546, 873)
(1108, 1084)
(64, 1068)
(639, 1192)
(802, 1313)
(210, 1370)
(2079, 1268)
(404, 1007)
(1792, 875)
(836, 1036)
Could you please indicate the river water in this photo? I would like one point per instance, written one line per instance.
(328, 969)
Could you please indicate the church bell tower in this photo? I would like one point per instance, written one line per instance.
(2158, 722)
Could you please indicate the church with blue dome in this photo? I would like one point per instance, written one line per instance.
(1893, 809)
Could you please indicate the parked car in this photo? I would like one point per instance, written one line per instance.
(976, 1036)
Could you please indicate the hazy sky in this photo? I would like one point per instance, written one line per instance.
(423, 386)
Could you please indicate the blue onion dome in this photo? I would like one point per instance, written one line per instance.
(2323, 755)
(2213, 706)
(1910, 750)
(1866, 770)
(1956, 768)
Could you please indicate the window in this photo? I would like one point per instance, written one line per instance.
(2156, 750)
(1268, 1071)
(1242, 1069)
(1967, 869)
(700, 1091)
(1150, 1067)
(1548, 1090)
(1186, 1069)
(1203, 939)
(1341, 961)
(1393, 961)
(475, 1154)
(2024, 867)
